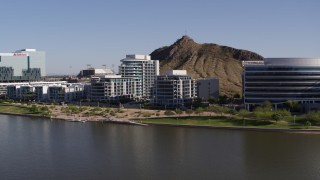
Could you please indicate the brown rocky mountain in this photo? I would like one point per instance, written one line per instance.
(206, 60)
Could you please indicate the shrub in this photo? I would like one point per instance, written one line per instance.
(34, 109)
(218, 109)
(262, 113)
(276, 116)
(169, 113)
(179, 111)
(119, 110)
(232, 111)
(44, 108)
(308, 123)
(189, 111)
(146, 114)
(199, 110)
(244, 113)
(96, 109)
(112, 113)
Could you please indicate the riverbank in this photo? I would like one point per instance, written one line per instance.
(230, 123)
(303, 131)
(58, 113)
(151, 117)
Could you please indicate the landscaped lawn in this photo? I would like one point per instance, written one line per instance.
(221, 121)
(6, 108)
(16, 109)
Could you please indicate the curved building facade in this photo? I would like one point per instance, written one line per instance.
(143, 70)
(281, 79)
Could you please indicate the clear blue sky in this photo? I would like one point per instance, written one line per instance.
(78, 32)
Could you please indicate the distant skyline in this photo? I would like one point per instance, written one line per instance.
(76, 33)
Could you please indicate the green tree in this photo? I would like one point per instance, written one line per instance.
(223, 99)
(285, 114)
(262, 113)
(293, 106)
(219, 110)
(232, 111)
(236, 96)
(276, 116)
(296, 107)
(244, 113)
(34, 109)
(267, 105)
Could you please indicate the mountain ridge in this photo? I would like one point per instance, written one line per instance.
(206, 60)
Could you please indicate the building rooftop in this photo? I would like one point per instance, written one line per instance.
(138, 56)
(176, 72)
(285, 62)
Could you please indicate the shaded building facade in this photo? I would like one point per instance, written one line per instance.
(173, 90)
(281, 79)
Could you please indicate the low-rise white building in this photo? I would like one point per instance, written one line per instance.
(112, 88)
(47, 91)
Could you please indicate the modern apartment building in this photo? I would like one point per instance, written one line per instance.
(4, 86)
(143, 70)
(112, 88)
(175, 89)
(45, 91)
(281, 79)
(65, 92)
(22, 65)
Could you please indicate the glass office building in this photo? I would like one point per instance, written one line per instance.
(22, 65)
(281, 79)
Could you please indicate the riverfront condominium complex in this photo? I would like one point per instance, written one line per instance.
(143, 70)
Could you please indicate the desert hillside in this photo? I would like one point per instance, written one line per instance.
(206, 60)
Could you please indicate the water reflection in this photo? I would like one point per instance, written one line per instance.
(44, 149)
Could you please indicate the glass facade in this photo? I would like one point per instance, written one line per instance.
(18, 67)
(278, 80)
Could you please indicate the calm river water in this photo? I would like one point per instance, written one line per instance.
(43, 149)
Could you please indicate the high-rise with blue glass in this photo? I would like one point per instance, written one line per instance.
(281, 79)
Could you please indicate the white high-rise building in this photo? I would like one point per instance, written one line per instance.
(143, 70)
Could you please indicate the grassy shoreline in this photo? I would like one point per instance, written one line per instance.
(136, 115)
(226, 122)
